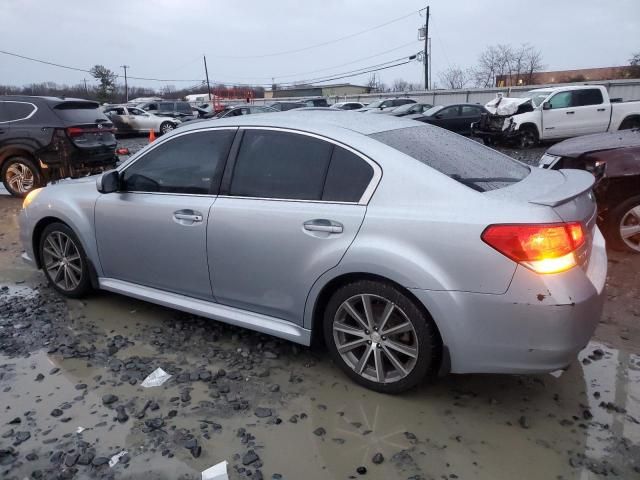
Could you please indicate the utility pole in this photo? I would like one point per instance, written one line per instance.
(426, 51)
(126, 86)
(85, 86)
(206, 72)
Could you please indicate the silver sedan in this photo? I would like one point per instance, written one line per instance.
(411, 251)
(128, 119)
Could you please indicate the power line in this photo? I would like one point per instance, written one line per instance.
(322, 44)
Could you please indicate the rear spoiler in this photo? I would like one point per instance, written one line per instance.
(576, 183)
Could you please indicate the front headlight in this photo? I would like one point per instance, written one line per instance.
(31, 196)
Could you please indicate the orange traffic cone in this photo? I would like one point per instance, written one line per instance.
(152, 135)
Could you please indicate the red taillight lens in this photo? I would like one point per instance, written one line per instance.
(74, 131)
(77, 131)
(544, 248)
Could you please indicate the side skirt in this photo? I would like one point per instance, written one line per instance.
(233, 316)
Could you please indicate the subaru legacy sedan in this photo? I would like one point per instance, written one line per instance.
(411, 251)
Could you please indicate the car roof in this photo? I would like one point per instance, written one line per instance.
(50, 100)
(311, 120)
(563, 88)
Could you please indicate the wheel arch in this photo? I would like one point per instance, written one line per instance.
(16, 151)
(320, 300)
(529, 125)
(629, 119)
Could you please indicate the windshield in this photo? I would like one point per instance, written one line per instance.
(537, 97)
(468, 162)
(376, 104)
(404, 108)
(433, 110)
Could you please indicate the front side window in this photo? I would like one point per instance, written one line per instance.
(561, 100)
(448, 112)
(281, 165)
(151, 107)
(468, 111)
(190, 164)
(136, 111)
(586, 97)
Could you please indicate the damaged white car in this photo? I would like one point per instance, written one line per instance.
(555, 113)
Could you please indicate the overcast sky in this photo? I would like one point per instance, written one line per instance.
(167, 38)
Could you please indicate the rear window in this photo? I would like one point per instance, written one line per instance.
(79, 112)
(183, 107)
(461, 159)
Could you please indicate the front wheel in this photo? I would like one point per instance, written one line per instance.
(20, 175)
(64, 261)
(528, 137)
(379, 337)
(623, 226)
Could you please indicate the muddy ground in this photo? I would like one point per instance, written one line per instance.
(70, 397)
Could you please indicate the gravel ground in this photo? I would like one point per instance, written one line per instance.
(71, 373)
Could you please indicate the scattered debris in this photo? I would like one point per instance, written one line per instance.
(155, 378)
(217, 472)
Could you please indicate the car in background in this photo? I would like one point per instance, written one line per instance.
(127, 119)
(379, 106)
(409, 109)
(410, 251)
(315, 102)
(347, 105)
(169, 108)
(237, 110)
(48, 138)
(614, 159)
(456, 118)
(284, 106)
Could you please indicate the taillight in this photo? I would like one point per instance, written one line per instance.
(544, 248)
(77, 131)
(74, 131)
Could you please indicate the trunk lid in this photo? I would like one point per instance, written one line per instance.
(86, 126)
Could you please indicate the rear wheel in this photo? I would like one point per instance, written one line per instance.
(379, 337)
(528, 137)
(166, 127)
(629, 123)
(623, 226)
(20, 175)
(63, 261)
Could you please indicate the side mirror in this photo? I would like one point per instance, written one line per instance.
(546, 106)
(108, 182)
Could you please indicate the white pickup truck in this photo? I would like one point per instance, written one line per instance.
(555, 113)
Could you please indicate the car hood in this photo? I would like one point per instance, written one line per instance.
(413, 116)
(578, 146)
(505, 105)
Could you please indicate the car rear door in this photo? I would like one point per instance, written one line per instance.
(591, 113)
(152, 232)
(5, 122)
(289, 208)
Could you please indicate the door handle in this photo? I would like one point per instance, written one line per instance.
(570, 113)
(602, 109)
(322, 225)
(188, 215)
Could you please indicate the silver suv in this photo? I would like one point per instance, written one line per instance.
(410, 250)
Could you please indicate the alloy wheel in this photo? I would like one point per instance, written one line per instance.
(375, 338)
(630, 228)
(167, 127)
(62, 261)
(20, 178)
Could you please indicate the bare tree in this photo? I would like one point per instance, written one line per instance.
(533, 63)
(634, 65)
(400, 85)
(455, 77)
(503, 63)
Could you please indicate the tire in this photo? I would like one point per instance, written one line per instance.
(166, 127)
(71, 279)
(629, 123)
(417, 335)
(20, 175)
(626, 214)
(488, 141)
(528, 137)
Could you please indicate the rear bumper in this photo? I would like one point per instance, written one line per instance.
(538, 325)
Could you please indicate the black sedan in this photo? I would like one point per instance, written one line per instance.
(457, 118)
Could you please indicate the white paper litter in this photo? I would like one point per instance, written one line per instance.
(116, 458)
(217, 472)
(80, 429)
(557, 373)
(156, 378)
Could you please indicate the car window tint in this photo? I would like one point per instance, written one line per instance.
(186, 164)
(464, 160)
(561, 100)
(166, 107)
(14, 111)
(152, 106)
(183, 108)
(468, 110)
(589, 96)
(348, 177)
(448, 112)
(280, 165)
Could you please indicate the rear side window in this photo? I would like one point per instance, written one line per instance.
(183, 108)
(448, 112)
(190, 163)
(79, 112)
(474, 165)
(15, 111)
(468, 110)
(589, 96)
(348, 177)
(282, 165)
(166, 107)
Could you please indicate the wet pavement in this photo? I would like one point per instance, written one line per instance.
(71, 399)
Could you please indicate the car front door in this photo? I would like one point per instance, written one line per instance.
(288, 213)
(152, 231)
(468, 115)
(448, 117)
(142, 121)
(559, 120)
